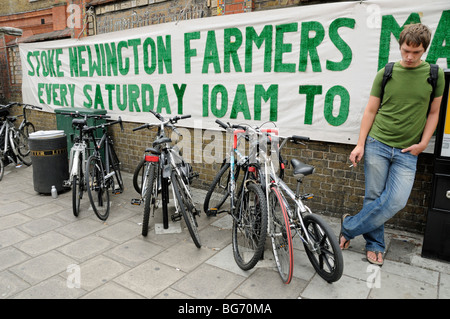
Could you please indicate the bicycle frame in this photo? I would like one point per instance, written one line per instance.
(271, 178)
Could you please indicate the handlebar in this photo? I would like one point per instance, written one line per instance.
(103, 125)
(164, 122)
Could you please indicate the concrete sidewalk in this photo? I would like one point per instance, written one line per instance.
(46, 252)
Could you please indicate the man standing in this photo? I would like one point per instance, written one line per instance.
(393, 133)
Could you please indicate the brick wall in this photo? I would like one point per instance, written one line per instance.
(337, 188)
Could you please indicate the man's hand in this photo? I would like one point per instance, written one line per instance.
(356, 155)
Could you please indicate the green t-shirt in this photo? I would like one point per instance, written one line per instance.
(403, 114)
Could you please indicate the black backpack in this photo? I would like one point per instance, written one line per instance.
(434, 70)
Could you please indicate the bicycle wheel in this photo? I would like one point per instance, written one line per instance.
(114, 163)
(324, 253)
(2, 168)
(280, 236)
(19, 143)
(138, 176)
(97, 188)
(218, 193)
(28, 128)
(150, 196)
(77, 188)
(249, 227)
(186, 207)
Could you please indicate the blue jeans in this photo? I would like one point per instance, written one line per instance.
(389, 177)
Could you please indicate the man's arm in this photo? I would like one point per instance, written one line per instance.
(430, 127)
(366, 123)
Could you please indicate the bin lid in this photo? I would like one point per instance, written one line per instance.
(81, 110)
(46, 134)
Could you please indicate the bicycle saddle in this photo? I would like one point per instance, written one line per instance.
(301, 169)
(79, 122)
(161, 141)
(153, 151)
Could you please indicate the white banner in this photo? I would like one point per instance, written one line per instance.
(308, 68)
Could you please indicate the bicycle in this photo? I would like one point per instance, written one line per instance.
(285, 221)
(25, 126)
(77, 158)
(247, 205)
(163, 165)
(14, 143)
(99, 177)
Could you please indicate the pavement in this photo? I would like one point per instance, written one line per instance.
(47, 252)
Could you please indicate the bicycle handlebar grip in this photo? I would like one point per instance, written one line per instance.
(221, 124)
(120, 122)
(140, 127)
(296, 138)
(185, 116)
(158, 116)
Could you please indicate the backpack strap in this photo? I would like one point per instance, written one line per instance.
(434, 72)
(386, 76)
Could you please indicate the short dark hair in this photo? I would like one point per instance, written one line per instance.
(415, 35)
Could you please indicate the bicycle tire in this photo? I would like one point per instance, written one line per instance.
(139, 172)
(250, 228)
(28, 128)
(2, 169)
(77, 188)
(149, 198)
(97, 189)
(19, 143)
(114, 163)
(327, 258)
(186, 207)
(218, 193)
(280, 236)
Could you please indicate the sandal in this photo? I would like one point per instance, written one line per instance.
(375, 261)
(346, 244)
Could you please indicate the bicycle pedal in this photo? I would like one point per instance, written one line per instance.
(307, 196)
(212, 212)
(136, 201)
(176, 217)
(117, 191)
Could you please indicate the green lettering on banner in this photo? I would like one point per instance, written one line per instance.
(149, 45)
(309, 45)
(98, 99)
(111, 59)
(95, 66)
(148, 97)
(442, 35)
(73, 62)
(110, 88)
(121, 102)
(311, 91)
(188, 52)
(390, 26)
(219, 89)
(231, 48)
(251, 37)
(240, 103)
(270, 94)
(81, 61)
(340, 44)
(164, 54)
(211, 53)
(124, 66)
(133, 95)
(163, 100)
(343, 108)
(205, 100)
(135, 43)
(281, 47)
(88, 103)
(40, 88)
(179, 92)
(44, 63)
